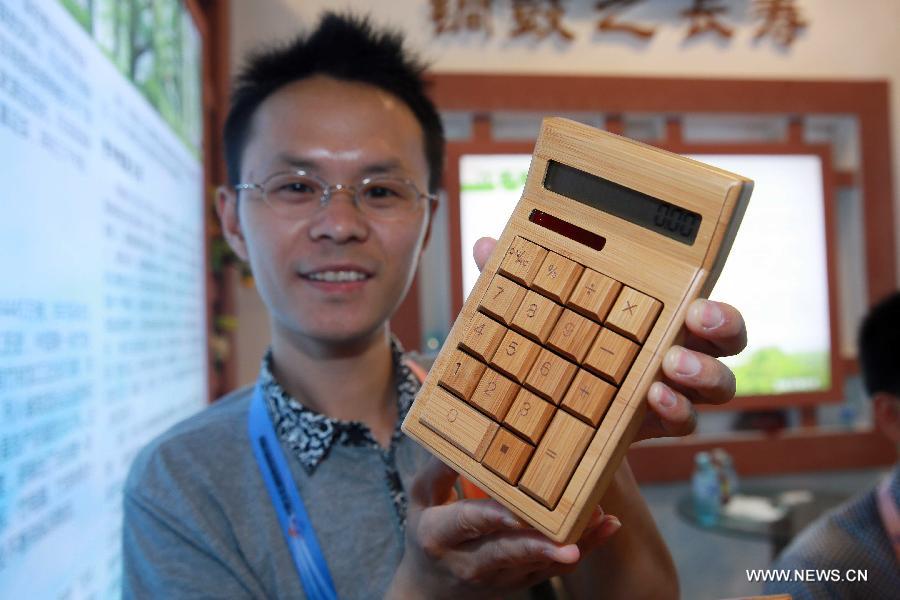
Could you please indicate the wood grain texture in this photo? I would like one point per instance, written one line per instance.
(573, 335)
(536, 316)
(665, 269)
(594, 295)
(529, 416)
(611, 356)
(502, 299)
(589, 397)
(633, 314)
(507, 455)
(516, 355)
(557, 277)
(494, 394)
(550, 376)
(462, 425)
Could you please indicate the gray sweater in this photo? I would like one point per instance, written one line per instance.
(199, 522)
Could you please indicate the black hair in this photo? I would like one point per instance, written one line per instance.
(344, 47)
(879, 347)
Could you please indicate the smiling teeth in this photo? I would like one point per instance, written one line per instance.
(337, 276)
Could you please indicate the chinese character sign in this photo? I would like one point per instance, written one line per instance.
(538, 20)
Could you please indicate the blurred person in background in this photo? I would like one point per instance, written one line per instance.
(864, 534)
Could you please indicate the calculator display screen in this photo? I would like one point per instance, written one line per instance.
(639, 208)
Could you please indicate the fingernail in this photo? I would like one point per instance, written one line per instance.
(611, 525)
(664, 396)
(511, 522)
(687, 364)
(563, 554)
(712, 316)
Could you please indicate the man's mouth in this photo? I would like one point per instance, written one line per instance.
(336, 276)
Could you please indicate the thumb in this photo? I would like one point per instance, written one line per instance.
(433, 484)
(482, 251)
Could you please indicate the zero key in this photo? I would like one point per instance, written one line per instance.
(555, 459)
(458, 423)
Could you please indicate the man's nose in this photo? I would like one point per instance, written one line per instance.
(339, 218)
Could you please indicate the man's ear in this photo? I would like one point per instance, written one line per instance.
(432, 210)
(227, 209)
(886, 409)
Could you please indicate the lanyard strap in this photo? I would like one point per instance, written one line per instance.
(295, 523)
(890, 516)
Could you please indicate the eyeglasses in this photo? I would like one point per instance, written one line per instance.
(299, 195)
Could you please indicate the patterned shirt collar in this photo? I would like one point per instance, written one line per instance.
(311, 435)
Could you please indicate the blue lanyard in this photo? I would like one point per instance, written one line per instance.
(295, 523)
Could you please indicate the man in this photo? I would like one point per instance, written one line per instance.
(864, 534)
(331, 145)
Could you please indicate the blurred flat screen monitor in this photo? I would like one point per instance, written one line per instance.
(776, 273)
(102, 294)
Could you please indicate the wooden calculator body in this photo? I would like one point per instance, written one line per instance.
(541, 384)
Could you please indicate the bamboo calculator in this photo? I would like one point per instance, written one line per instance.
(541, 383)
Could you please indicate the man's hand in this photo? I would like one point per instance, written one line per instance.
(478, 548)
(692, 374)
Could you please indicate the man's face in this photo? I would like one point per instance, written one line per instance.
(341, 132)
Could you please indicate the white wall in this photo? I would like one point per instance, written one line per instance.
(845, 40)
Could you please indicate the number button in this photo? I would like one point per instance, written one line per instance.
(502, 299)
(529, 416)
(573, 335)
(536, 316)
(483, 336)
(494, 394)
(557, 277)
(550, 376)
(611, 356)
(515, 356)
(462, 374)
(588, 397)
(633, 314)
(594, 295)
(522, 260)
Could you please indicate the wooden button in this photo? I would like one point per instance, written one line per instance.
(588, 397)
(458, 423)
(522, 261)
(536, 316)
(515, 355)
(633, 314)
(557, 277)
(611, 356)
(572, 335)
(462, 374)
(494, 394)
(556, 458)
(507, 455)
(529, 415)
(483, 336)
(502, 299)
(550, 376)
(594, 294)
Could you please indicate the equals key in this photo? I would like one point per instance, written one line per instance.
(555, 459)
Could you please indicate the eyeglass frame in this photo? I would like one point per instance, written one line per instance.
(328, 189)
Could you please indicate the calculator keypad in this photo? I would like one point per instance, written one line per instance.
(538, 367)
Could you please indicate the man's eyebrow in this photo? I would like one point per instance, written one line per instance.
(380, 168)
(390, 165)
(297, 162)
